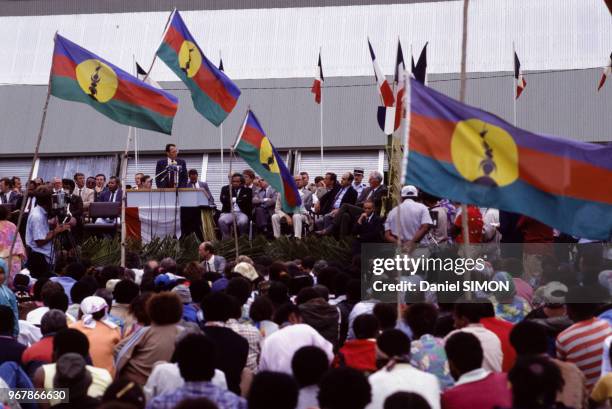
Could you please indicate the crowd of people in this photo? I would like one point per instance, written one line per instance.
(286, 334)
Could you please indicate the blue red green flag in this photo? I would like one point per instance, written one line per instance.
(214, 95)
(255, 148)
(80, 75)
(472, 156)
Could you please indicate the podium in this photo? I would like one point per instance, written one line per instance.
(152, 213)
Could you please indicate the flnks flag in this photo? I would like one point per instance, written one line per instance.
(255, 148)
(471, 156)
(318, 82)
(384, 89)
(80, 75)
(213, 94)
(419, 70)
(604, 75)
(518, 76)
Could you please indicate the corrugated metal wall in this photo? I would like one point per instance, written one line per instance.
(15, 167)
(338, 162)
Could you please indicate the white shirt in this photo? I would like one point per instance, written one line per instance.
(359, 187)
(211, 264)
(472, 376)
(405, 378)
(166, 377)
(491, 346)
(362, 307)
(277, 349)
(412, 216)
(339, 197)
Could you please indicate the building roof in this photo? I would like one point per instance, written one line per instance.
(285, 42)
(54, 7)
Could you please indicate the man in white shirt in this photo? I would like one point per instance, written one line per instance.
(467, 319)
(393, 348)
(278, 348)
(414, 220)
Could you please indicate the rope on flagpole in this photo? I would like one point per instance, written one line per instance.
(464, 208)
(34, 160)
(160, 43)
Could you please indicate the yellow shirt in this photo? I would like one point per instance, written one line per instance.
(102, 341)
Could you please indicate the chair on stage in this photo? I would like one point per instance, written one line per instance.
(103, 210)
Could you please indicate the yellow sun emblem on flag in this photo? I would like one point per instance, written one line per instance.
(97, 79)
(266, 156)
(189, 58)
(484, 154)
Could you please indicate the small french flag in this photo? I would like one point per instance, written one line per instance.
(604, 75)
(384, 88)
(518, 75)
(318, 82)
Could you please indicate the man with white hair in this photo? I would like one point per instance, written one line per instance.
(414, 219)
(349, 213)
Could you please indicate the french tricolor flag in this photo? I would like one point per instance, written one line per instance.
(384, 88)
(604, 75)
(318, 82)
(399, 83)
(518, 76)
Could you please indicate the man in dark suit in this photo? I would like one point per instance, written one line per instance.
(7, 194)
(240, 199)
(369, 227)
(114, 193)
(348, 214)
(171, 169)
(332, 201)
(194, 183)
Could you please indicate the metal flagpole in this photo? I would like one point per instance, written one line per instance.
(229, 185)
(34, 159)
(464, 208)
(160, 42)
(514, 85)
(124, 165)
(321, 115)
(221, 136)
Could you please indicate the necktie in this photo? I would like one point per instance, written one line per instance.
(80, 193)
(113, 197)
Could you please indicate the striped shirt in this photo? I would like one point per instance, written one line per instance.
(582, 344)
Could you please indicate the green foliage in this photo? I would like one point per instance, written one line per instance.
(104, 251)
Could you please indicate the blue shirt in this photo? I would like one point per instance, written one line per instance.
(37, 229)
(222, 398)
(339, 197)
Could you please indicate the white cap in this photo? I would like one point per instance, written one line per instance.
(409, 191)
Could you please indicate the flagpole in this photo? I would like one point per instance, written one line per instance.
(160, 43)
(124, 166)
(515, 84)
(221, 133)
(229, 185)
(321, 117)
(464, 208)
(34, 160)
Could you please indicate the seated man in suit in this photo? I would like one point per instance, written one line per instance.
(86, 194)
(264, 201)
(211, 262)
(7, 194)
(369, 227)
(296, 219)
(171, 170)
(197, 184)
(330, 203)
(114, 193)
(240, 200)
(348, 213)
